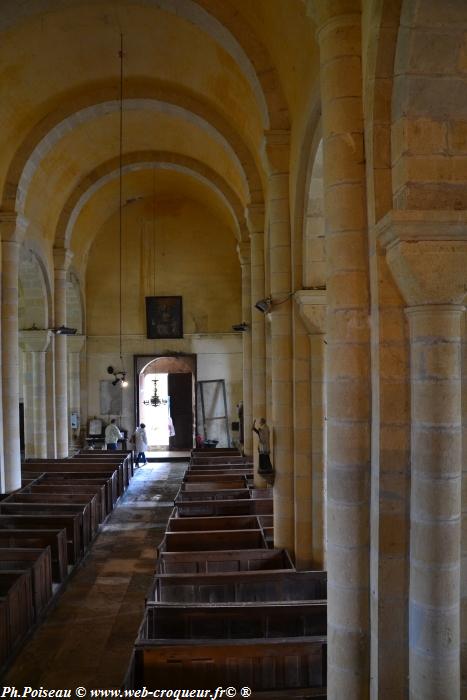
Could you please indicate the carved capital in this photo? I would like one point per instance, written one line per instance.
(277, 145)
(62, 258)
(75, 343)
(34, 341)
(324, 12)
(427, 254)
(312, 307)
(12, 226)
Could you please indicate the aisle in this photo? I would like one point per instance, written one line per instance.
(87, 640)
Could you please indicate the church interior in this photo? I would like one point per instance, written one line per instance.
(221, 211)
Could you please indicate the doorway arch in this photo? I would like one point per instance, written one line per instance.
(176, 387)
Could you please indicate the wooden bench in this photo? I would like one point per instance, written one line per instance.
(243, 506)
(41, 539)
(224, 458)
(237, 483)
(261, 664)
(39, 562)
(104, 484)
(126, 458)
(239, 587)
(233, 522)
(195, 478)
(223, 561)
(57, 472)
(77, 467)
(78, 489)
(212, 540)
(86, 501)
(16, 602)
(214, 494)
(72, 523)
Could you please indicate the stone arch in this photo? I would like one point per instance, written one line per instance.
(34, 294)
(96, 101)
(134, 161)
(227, 28)
(314, 243)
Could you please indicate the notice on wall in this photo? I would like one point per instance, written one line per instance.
(110, 398)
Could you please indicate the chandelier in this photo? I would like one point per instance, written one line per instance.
(155, 400)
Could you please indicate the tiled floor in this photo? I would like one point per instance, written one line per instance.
(88, 638)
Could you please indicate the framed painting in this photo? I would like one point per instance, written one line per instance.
(164, 317)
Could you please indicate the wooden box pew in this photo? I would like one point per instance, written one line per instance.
(209, 474)
(215, 450)
(210, 507)
(270, 560)
(82, 500)
(104, 484)
(77, 467)
(233, 522)
(217, 458)
(39, 562)
(209, 540)
(235, 480)
(56, 539)
(71, 522)
(235, 620)
(267, 665)
(17, 609)
(238, 587)
(67, 471)
(266, 523)
(224, 468)
(214, 494)
(126, 458)
(214, 484)
(77, 489)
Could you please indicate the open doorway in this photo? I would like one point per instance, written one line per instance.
(165, 400)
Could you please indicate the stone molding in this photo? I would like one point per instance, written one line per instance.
(327, 14)
(244, 253)
(34, 341)
(12, 226)
(427, 254)
(75, 343)
(312, 308)
(62, 258)
(277, 146)
(255, 218)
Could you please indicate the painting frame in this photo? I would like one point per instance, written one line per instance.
(164, 317)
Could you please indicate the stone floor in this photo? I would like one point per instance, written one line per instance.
(88, 638)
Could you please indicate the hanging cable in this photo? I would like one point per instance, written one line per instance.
(120, 195)
(154, 231)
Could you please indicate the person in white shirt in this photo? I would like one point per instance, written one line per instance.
(112, 435)
(141, 443)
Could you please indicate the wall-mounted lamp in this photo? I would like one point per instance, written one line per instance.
(64, 330)
(240, 327)
(120, 376)
(264, 305)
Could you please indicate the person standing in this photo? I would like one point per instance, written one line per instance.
(265, 466)
(141, 443)
(112, 435)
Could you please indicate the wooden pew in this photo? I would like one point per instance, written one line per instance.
(238, 587)
(217, 459)
(268, 665)
(71, 522)
(214, 494)
(76, 467)
(73, 488)
(16, 601)
(233, 522)
(236, 483)
(66, 472)
(65, 480)
(223, 561)
(194, 478)
(212, 540)
(39, 562)
(32, 539)
(95, 455)
(242, 506)
(86, 501)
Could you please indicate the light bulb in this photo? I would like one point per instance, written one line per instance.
(124, 382)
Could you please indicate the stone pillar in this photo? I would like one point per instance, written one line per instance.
(11, 229)
(348, 348)
(243, 250)
(312, 307)
(75, 345)
(278, 151)
(50, 400)
(255, 221)
(427, 255)
(62, 259)
(34, 345)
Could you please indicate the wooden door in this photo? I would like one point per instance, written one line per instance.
(180, 388)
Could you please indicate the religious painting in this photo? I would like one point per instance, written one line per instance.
(164, 317)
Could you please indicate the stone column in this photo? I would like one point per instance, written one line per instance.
(75, 345)
(62, 259)
(34, 345)
(348, 348)
(312, 307)
(243, 250)
(11, 229)
(50, 400)
(427, 255)
(278, 151)
(255, 221)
